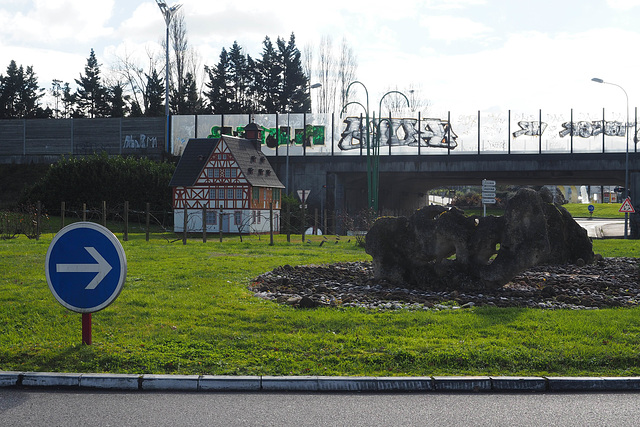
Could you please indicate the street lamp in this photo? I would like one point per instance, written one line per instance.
(168, 13)
(313, 86)
(626, 161)
(376, 148)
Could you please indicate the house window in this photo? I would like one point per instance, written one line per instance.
(239, 193)
(227, 173)
(253, 217)
(276, 194)
(216, 173)
(237, 217)
(209, 173)
(256, 194)
(212, 194)
(230, 193)
(221, 193)
(264, 194)
(234, 173)
(212, 218)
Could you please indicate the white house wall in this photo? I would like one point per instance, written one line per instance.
(246, 226)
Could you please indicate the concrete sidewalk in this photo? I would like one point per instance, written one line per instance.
(211, 383)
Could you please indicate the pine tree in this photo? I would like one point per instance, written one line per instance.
(219, 93)
(238, 78)
(154, 96)
(20, 94)
(91, 96)
(118, 101)
(295, 91)
(268, 79)
(192, 104)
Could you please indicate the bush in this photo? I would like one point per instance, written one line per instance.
(97, 178)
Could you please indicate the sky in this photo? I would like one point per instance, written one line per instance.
(462, 56)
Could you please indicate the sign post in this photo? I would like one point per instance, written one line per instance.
(488, 194)
(85, 267)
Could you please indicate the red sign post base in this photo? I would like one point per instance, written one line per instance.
(86, 328)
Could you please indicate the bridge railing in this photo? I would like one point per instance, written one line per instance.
(438, 133)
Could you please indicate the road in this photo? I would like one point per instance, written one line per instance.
(602, 228)
(20, 407)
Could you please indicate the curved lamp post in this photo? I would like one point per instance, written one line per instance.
(376, 147)
(168, 13)
(373, 150)
(626, 161)
(370, 193)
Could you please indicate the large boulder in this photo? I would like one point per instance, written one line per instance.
(440, 248)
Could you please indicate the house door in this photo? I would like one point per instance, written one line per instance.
(225, 223)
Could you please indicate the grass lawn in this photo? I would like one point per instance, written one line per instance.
(186, 309)
(577, 210)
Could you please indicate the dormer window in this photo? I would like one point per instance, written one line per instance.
(260, 172)
(250, 170)
(253, 159)
(268, 172)
(262, 159)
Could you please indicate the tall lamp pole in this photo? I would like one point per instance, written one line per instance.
(168, 13)
(626, 161)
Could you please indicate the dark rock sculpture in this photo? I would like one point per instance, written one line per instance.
(439, 248)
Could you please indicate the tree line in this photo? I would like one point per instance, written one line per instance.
(277, 81)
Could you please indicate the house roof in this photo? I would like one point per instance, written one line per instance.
(248, 155)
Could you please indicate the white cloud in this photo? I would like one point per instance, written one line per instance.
(452, 28)
(48, 22)
(623, 4)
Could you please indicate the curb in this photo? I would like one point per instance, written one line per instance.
(213, 383)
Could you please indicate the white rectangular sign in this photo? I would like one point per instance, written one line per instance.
(488, 182)
(489, 201)
(486, 195)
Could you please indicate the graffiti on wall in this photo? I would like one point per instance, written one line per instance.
(530, 128)
(594, 128)
(400, 132)
(140, 142)
(582, 129)
(314, 134)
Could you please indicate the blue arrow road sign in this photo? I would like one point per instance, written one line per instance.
(86, 267)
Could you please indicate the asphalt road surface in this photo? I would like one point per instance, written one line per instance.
(20, 407)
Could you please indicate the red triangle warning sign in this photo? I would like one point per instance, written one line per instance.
(627, 207)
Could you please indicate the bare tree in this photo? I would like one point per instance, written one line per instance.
(136, 77)
(326, 73)
(395, 103)
(185, 61)
(307, 61)
(347, 67)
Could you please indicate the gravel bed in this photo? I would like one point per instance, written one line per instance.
(610, 282)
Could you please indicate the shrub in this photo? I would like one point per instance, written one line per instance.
(97, 178)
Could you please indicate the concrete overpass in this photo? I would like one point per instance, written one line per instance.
(340, 182)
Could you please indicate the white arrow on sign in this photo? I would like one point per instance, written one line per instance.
(102, 268)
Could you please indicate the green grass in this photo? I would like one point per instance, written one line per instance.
(601, 210)
(186, 309)
(577, 210)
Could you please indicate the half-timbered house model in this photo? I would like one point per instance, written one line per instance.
(228, 183)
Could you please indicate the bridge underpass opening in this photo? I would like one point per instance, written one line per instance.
(403, 193)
